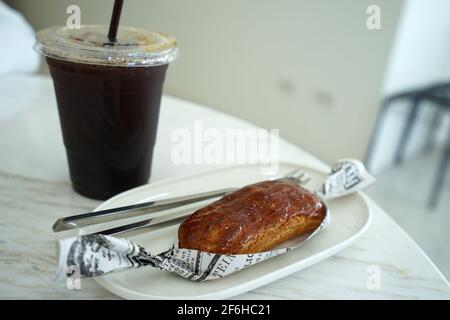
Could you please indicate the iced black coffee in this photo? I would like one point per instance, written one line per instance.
(108, 97)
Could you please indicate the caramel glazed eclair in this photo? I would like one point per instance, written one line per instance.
(253, 219)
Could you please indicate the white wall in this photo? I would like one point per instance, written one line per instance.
(420, 54)
(310, 68)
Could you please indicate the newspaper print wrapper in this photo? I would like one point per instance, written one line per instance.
(96, 255)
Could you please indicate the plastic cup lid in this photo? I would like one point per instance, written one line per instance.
(90, 44)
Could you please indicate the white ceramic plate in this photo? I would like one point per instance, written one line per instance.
(350, 217)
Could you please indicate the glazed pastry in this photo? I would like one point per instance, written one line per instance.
(253, 219)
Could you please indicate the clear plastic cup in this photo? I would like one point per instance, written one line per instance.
(108, 97)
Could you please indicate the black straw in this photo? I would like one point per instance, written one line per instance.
(115, 18)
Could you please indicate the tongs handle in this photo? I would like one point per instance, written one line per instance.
(156, 207)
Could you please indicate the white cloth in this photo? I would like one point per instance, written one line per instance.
(17, 39)
(420, 54)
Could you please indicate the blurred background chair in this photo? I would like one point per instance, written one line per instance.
(439, 96)
(418, 73)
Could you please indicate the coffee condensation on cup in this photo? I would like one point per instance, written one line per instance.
(96, 255)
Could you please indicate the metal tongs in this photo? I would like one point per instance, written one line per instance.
(156, 208)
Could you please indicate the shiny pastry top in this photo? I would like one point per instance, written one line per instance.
(253, 219)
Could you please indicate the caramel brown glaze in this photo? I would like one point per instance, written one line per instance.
(253, 219)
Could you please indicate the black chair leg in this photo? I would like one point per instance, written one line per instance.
(430, 137)
(375, 133)
(439, 179)
(400, 153)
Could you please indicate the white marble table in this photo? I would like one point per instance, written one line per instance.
(35, 190)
